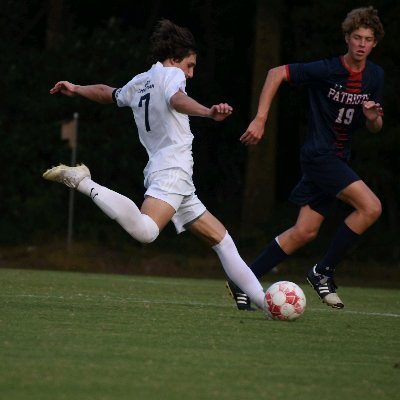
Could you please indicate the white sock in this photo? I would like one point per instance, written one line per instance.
(123, 210)
(238, 271)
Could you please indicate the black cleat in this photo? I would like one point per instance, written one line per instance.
(325, 288)
(243, 302)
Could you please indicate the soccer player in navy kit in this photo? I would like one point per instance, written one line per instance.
(161, 109)
(343, 94)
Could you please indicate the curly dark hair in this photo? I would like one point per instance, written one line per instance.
(365, 17)
(171, 41)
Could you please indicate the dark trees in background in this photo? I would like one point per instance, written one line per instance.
(260, 176)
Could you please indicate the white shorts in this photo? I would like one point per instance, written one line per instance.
(175, 187)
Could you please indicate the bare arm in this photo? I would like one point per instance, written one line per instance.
(255, 131)
(373, 113)
(186, 105)
(98, 93)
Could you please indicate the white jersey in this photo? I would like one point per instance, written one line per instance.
(164, 132)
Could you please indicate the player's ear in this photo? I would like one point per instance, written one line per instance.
(346, 38)
(176, 60)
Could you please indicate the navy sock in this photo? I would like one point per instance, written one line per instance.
(341, 242)
(268, 259)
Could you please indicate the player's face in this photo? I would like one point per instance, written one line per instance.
(186, 65)
(360, 43)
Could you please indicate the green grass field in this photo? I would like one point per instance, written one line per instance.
(92, 336)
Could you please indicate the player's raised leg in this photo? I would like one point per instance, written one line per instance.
(118, 207)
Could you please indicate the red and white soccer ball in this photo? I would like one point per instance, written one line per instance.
(284, 301)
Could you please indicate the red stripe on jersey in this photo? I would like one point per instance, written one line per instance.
(287, 72)
(354, 81)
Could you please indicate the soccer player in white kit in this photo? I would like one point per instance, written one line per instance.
(161, 109)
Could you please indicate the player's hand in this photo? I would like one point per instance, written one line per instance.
(372, 110)
(219, 112)
(254, 132)
(64, 87)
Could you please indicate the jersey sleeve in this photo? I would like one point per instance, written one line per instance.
(123, 96)
(304, 74)
(175, 81)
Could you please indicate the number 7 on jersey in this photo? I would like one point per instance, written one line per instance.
(146, 99)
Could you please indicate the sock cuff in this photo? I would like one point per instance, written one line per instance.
(344, 228)
(226, 241)
(276, 244)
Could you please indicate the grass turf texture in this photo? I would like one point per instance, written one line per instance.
(92, 336)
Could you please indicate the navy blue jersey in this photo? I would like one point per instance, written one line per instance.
(335, 95)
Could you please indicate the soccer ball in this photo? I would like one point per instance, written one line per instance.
(284, 301)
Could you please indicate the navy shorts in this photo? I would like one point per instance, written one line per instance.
(324, 177)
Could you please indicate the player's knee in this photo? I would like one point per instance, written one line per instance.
(146, 231)
(145, 236)
(305, 234)
(374, 210)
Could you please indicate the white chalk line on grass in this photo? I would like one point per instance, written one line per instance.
(372, 314)
(188, 303)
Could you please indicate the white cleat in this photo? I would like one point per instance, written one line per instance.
(333, 300)
(70, 176)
